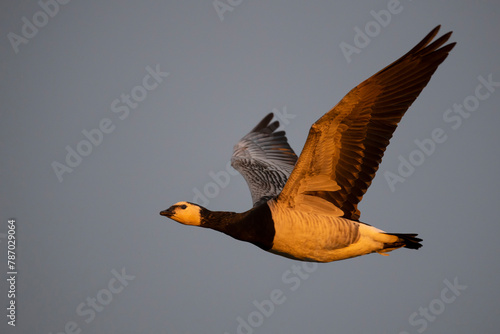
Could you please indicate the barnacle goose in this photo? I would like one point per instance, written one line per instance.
(306, 208)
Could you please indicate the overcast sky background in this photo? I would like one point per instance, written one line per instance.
(225, 73)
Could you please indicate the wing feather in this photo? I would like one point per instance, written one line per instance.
(345, 147)
(265, 160)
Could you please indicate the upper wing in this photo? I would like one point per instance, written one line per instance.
(265, 159)
(345, 147)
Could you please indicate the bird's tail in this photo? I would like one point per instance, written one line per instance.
(406, 240)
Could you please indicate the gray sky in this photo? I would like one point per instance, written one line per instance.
(93, 255)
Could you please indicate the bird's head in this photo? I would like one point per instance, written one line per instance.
(185, 213)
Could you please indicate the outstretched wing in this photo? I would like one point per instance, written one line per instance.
(265, 159)
(345, 147)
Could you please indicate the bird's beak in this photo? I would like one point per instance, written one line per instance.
(168, 213)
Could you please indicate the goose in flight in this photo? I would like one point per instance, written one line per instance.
(306, 208)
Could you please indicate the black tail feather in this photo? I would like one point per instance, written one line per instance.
(406, 240)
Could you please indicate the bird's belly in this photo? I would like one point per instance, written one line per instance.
(317, 238)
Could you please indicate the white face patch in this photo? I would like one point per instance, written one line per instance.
(187, 213)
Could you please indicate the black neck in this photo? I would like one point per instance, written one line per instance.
(254, 226)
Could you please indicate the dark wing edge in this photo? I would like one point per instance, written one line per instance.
(349, 141)
(265, 160)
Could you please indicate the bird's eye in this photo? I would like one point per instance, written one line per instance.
(183, 206)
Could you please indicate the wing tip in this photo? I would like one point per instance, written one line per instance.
(427, 45)
(264, 123)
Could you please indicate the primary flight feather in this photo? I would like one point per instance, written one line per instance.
(306, 208)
